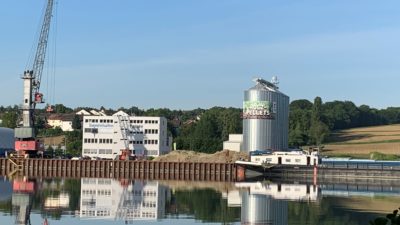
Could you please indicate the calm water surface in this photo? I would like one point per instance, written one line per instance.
(107, 201)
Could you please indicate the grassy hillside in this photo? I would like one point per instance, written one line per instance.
(360, 142)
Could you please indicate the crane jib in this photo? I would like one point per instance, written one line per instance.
(26, 143)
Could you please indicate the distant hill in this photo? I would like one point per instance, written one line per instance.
(362, 141)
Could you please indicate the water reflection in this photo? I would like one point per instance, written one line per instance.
(266, 203)
(23, 190)
(122, 199)
(128, 201)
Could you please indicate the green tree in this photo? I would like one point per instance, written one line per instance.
(74, 142)
(10, 119)
(76, 123)
(60, 108)
(318, 130)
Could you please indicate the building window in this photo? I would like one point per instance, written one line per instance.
(287, 160)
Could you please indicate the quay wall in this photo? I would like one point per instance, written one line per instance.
(150, 170)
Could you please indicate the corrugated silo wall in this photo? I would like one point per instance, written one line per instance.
(263, 134)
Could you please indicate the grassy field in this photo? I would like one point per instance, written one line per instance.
(360, 142)
(58, 140)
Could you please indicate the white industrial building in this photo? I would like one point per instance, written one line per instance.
(106, 136)
(235, 142)
(110, 199)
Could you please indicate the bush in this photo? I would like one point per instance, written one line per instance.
(394, 219)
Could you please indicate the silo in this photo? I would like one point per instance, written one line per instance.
(265, 117)
(263, 209)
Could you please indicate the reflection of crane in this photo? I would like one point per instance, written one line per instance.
(25, 143)
(126, 203)
(23, 190)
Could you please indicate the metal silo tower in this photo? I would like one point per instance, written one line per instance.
(265, 117)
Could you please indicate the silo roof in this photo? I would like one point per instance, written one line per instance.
(263, 85)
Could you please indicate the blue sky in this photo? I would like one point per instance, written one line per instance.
(187, 54)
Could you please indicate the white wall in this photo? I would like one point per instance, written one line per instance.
(149, 136)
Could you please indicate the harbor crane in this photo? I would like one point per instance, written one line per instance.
(26, 143)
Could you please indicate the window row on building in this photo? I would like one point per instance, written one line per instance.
(100, 140)
(100, 151)
(136, 132)
(150, 131)
(90, 151)
(98, 121)
(88, 212)
(88, 202)
(143, 121)
(90, 140)
(144, 193)
(88, 192)
(149, 204)
(148, 215)
(146, 142)
(105, 140)
(103, 213)
(91, 130)
(105, 151)
(150, 142)
(103, 192)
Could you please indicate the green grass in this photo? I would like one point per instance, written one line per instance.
(371, 155)
(381, 156)
(362, 143)
(353, 156)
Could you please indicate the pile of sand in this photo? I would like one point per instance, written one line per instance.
(224, 156)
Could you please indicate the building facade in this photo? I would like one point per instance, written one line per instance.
(106, 136)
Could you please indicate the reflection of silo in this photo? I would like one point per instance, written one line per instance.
(263, 210)
(265, 118)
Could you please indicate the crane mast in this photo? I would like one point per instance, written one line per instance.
(25, 136)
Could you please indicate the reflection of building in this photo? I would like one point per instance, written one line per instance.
(292, 192)
(111, 199)
(267, 203)
(58, 202)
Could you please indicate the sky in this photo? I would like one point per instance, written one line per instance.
(187, 54)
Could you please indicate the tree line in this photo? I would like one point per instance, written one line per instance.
(204, 130)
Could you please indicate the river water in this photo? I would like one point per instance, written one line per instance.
(108, 201)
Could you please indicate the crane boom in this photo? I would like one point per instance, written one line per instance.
(25, 136)
(42, 46)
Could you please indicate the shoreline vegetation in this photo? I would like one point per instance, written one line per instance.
(343, 128)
